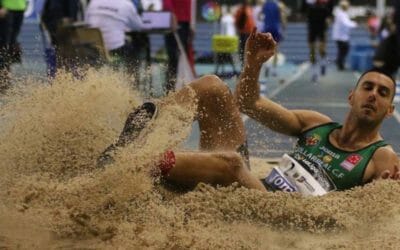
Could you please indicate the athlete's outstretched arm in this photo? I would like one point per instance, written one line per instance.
(259, 48)
(385, 165)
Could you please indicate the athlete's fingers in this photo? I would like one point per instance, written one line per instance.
(385, 174)
(396, 175)
(253, 33)
(271, 40)
(268, 36)
(265, 39)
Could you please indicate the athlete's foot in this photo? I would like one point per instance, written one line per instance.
(134, 124)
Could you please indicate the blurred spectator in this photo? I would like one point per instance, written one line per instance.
(182, 19)
(4, 66)
(15, 16)
(318, 14)
(396, 21)
(396, 17)
(227, 22)
(140, 41)
(272, 24)
(372, 24)
(387, 54)
(227, 30)
(114, 19)
(11, 18)
(257, 14)
(56, 15)
(244, 24)
(272, 19)
(284, 11)
(341, 32)
(385, 27)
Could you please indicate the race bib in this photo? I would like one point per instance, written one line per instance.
(290, 176)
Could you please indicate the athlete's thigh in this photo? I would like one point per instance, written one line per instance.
(221, 126)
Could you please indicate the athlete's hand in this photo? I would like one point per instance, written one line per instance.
(259, 48)
(387, 174)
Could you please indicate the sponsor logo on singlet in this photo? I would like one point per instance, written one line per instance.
(316, 167)
(351, 161)
(313, 140)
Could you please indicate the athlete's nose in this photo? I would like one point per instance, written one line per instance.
(372, 94)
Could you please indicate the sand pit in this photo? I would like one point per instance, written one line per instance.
(53, 197)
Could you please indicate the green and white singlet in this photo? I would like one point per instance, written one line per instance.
(327, 168)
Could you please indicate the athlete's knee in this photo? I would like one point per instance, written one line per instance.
(213, 86)
(234, 164)
(213, 81)
(211, 78)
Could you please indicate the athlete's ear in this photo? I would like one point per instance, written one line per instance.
(350, 97)
(390, 111)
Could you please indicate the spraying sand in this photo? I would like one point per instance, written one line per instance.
(53, 197)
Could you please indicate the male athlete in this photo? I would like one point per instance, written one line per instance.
(328, 156)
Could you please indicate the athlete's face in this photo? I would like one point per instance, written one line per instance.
(371, 100)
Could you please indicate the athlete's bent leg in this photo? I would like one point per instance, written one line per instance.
(221, 127)
(219, 168)
(222, 131)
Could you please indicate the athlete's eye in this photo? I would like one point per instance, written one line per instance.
(367, 86)
(384, 92)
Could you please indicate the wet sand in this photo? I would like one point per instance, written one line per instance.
(53, 197)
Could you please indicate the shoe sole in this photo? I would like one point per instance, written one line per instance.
(134, 124)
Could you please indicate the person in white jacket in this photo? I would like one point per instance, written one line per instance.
(227, 22)
(341, 32)
(114, 18)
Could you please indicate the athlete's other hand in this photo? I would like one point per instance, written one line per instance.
(387, 174)
(259, 48)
